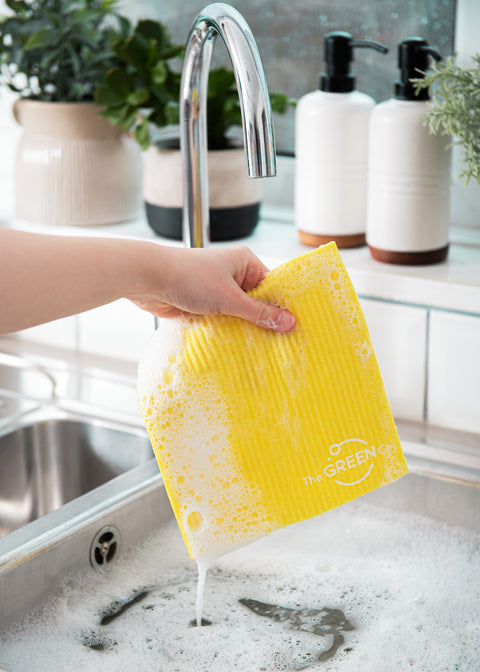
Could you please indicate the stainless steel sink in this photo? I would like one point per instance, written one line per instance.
(52, 457)
(75, 490)
(80, 488)
(76, 466)
(126, 510)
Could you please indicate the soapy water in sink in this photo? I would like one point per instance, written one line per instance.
(359, 588)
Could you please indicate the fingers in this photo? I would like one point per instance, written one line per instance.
(250, 270)
(261, 313)
(264, 315)
(207, 282)
(254, 274)
(279, 320)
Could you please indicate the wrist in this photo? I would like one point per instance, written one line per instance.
(148, 269)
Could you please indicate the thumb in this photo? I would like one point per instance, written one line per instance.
(264, 315)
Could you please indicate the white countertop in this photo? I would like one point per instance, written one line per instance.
(451, 285)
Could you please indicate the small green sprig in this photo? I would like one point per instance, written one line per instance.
(454, 108)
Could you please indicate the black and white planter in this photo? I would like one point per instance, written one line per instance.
(234, 198)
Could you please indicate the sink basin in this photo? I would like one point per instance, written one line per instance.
(85, 518)
(49, 461)
(376, 588)
(68, 482)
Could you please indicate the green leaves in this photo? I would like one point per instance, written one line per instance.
(120, 81)
(142, 134)
(138, 97)
(221, 82)
(153, 30)
(134, 50)
(41, 38)
(61, 47)
(142, 89)
(172, 112)
(16, 5)
(159, 72)
(280, 102)
(454, 108)
(108, 98)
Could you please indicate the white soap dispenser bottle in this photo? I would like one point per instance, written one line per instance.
(408, 207)
(331, 127)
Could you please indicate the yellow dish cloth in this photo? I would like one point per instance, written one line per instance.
(255, 430)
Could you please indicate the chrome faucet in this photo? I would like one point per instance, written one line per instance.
(220, 19)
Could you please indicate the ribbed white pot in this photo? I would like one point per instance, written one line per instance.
(74, 168)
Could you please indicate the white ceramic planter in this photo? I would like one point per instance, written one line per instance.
(73, 167)
(234, 198)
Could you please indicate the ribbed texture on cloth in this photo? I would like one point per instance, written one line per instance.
(255, 430)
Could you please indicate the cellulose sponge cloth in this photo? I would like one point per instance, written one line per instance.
(255, 430)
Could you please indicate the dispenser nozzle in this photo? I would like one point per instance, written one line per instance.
(413, 55)
(338, 54)
(367, 44)
(432, 52)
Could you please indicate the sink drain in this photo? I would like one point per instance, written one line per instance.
(105, 547)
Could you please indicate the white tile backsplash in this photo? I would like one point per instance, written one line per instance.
(58, 333)
(454, 371)
(118, 329)
(399, 335)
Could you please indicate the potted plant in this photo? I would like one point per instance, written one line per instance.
(72, 166)
(141, 94)
(454, 108)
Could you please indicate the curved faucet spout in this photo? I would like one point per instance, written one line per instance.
(220, 19)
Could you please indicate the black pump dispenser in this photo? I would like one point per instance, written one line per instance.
(413, 53)
(338, 54)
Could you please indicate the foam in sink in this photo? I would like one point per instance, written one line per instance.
(255, 430)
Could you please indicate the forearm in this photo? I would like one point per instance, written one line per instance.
(44, 277)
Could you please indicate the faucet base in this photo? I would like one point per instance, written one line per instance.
(225, 223)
